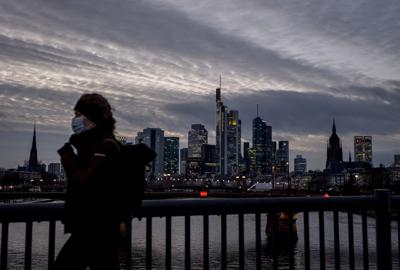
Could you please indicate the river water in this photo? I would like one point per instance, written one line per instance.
(40, 243)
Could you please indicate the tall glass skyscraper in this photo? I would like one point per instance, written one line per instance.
(228, 138)
(282, 157)
(154, 138)
(183, 161)
(233, 142)
(262, 145)
(198, 135)
(171, 155)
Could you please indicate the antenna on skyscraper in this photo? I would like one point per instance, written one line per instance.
(257, 110)
(220, 81)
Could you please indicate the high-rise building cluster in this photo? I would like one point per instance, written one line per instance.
(225, 158)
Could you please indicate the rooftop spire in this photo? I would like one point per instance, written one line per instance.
(334, 127)
(33, 159)
(257, 110)
(220, 81)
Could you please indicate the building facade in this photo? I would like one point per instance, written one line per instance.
(153, 138)
(209, 160)
(171, 155)
(228, 138)
(54, 169)
(183, 161)
(262, 145)
(197, 136)
(300, 165)
(234, 132)
(282, 157)
(363, 149)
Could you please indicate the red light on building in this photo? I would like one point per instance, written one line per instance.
(203, 194)
(326, 195)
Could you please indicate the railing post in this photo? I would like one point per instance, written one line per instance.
(383, 230)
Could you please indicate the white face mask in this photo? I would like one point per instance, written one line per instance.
(78, 124)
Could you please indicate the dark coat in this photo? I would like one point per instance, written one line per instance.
(89, 173)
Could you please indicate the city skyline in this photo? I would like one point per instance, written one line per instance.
(158, 62)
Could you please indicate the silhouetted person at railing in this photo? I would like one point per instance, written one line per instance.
(89, 218)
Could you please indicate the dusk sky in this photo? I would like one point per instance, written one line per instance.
(159, 61)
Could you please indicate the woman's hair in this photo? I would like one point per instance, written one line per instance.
(97, 109)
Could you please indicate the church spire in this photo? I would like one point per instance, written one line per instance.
(33, 159)
(334, 127)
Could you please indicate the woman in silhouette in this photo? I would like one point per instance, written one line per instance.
(89, 169)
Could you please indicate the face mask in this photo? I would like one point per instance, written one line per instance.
(78, 125)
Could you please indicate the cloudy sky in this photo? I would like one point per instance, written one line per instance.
(159, 61)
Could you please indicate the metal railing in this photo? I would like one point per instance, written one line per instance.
(381, 204)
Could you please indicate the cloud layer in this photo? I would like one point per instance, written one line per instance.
(158, 62)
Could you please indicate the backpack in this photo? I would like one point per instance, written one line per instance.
(130, 183)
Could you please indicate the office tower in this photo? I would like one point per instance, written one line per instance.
(334, 151)
(246, 157)
(363, 149)
(274, 157)
(208, 159)
(228, 137)
(262, 145)
(253, 161)
(282, 157)
(233, 140)
(221, 134)
(183, 161)
(154, 138)
(171, 155)
(197, 136)
(33, 164)
(55, 170)
(300, 165)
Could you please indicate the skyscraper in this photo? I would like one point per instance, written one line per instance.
(221, 134)
(300, 165)
(208, 159)
(171, 155)
(183, 161)
(246, 156)
(228, 137)
(282, 157)
(363, 149)
(233, 142)
(262, 145)
(154, 138)
(198, 135)
(334, 159)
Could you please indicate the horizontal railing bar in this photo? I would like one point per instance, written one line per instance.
(31, 212)
(177, 207)
(253, 205)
